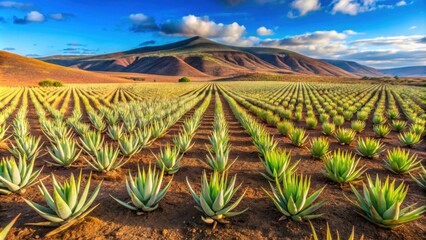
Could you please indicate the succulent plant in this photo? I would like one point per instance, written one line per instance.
(129, 145)
(26, 147)
(344, 135)
(399, 161)
(168, 159)
(63, 152)
(319, 147)
(66, 206)
(381, 130)
(277, 163)
(358, 126)
(183, 142)
(342, 167)
(409, 139)
(298, 137)
(15, 177)
(328, 128)
(369, 147)
(381, 203)
(92, 141)
(215, 197)
(145, 190)
(290, 197)
(106, 159)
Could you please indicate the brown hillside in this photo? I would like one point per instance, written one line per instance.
(198, 56)
(19, 70)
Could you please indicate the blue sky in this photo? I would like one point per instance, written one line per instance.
(379, 33)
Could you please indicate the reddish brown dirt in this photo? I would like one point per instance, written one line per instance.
(176, 218)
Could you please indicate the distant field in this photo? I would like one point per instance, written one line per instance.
(244, 121)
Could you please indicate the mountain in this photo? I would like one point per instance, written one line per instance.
(200, 57)
(355, 68)
(415, 71)
(19, 70)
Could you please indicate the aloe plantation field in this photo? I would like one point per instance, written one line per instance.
(224, 160)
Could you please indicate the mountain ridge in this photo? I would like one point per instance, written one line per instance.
(199, 56)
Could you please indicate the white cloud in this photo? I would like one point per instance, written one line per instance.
(263, 31)
(413, 27)
(401, 3)
(413, 42)
(354, 7)
(34, 16)
(138, 18)
(303, 7)
(316, 44)
(16, 5)
(351, 32)
(192, 25)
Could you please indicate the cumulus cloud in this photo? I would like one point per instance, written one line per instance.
(33, 16)
(412, 27)
(146, 43)
(16, 5)
(192, 25)
(263, 31)
(354, 7)
(302, 7)
(61, 16)
(142, 23)
(316, 44)
(401, 3)
(351, 32)
(412, 42)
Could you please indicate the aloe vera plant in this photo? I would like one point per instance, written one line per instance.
(129, 145)
(400, 161)
(342, 167)
(67, 206)
(277, 163)
(26, 147)
(215, 197)
(328, 128)
(145, 190)
(290, 197)
(6, 229)
(399, 125)
(144, 136)
(168, 159)
(285, 127)
(381, 203)
(381, 130)
(264, 142)
(369, 147)
(319, 147)
(63, 152)
(106, 159)
(409, 139)
(358, 126)
(92, 141)
(219, 160)
(298, 137)
(183, 142)
(344, 135)
(16, 176)
(115, 132)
